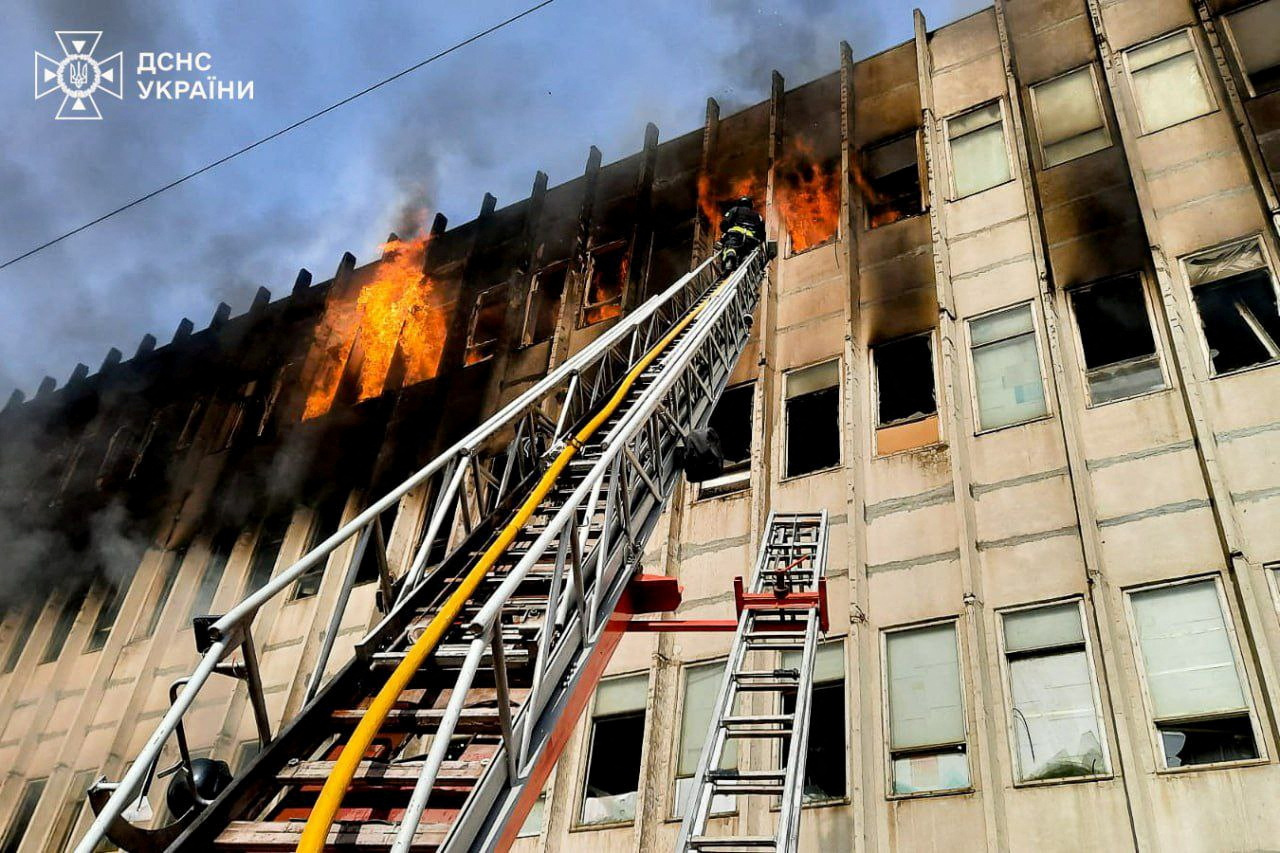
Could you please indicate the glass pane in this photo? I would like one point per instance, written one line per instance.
(1186, 651)
(1125, 379)
(1043, 627)
(1055, 725)
(924, 687)
(1067, 107)
(940, 771)
(973, 120)
(1211, 266)
(1254, 30)
(979, 160)
(1207, 741)
(1001, 325)
(619, 695)
(827, 666)
(1170, 92)
(532, 825)
(1008, 382)
(1076, 146)
(1158, 51)
(806, 380)
(721, 804)
(701, 684)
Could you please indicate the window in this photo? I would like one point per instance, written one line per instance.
(1006, 368)
(613, 763)
(31, 793)
(191, 426)
(1056, 730)
(18, 640)
(1169, 86)
(534, 821)
(487, 319)
(1253, 32)
(246, 751)
(1069, 117)
(824, 768)
(113, 593)
(172, 567)
(1197, 702)
(606, 279)
(906, 404)
(891, 189)
(979, 159)
(926, 716)
(701, 689)
(543, 308)
(1119, 351)
(219, 554)
(813, 418)
(1235, 296)
(270, 538)
(69, 815)
(732, 419)
(66, 621)
(328, 518)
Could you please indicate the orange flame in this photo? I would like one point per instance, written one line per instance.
(709, 197)
(808, 196)
(393, 315)
(604, 290)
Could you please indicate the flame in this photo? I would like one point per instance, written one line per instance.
(605, 291)
(808, 195)
(873, 197)
(392, 316)
(709, 197)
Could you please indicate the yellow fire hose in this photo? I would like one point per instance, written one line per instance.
(316, 832)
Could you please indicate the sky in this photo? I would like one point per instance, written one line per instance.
(484, 119)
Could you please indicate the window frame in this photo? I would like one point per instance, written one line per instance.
(1271, 569)
(1269, 265)
(886, 715)
(593, 254)
(576, 823)
(1205, 79)
(1242, 673)
(673, 788)
(741, 477)
(1097, 99)
(1078, 339)
(1236, 55)
(1036, 332)
(1095, 690)
(953, 194)
(786, 419)
(474, 321)
(845, 798)
(861, 152)
(528, 326)
(873, 372)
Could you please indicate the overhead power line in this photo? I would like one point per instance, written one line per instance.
(281, 132)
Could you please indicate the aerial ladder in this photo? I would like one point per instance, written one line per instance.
(441, 729)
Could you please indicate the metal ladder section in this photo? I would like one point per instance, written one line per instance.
(781, 612)
(451, 767)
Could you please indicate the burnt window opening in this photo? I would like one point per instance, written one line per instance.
(824, 768)
(148, 436)
(904, 381)
(368, 570)
(173, 567)
(219, 555)
(487, 320)
(1235, 296)
(813, 418)
(71, 606)
(732, 420)
(542, 310)
(1253, 34)
(328, 518)
(265, 553)
(119, 457)
(191, 426)
(18, 641)
(616, 741)
(1120, 357)
(32, 791)
(891, 186)
(606, 279)
(113, 593)
(233, 417)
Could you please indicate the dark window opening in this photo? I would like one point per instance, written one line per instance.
(327, 521)
(487, 320)
(112, 597)
(1240, 320)
(813, 419)
(66, 621)
(602, 298)
(731, 419)
(543, 309)
(119, 458)
(613, 768)
(368, 570)
(824, 768)
(171, 571)
(1120, 356)
(1207, 741)
(191, 426)
(904, 381)
(31, 793)
(19, 640)
(219, 555)
(890, 181)
(1253, 30)
(266, 551)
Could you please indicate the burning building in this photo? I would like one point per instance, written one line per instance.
(1021, 342)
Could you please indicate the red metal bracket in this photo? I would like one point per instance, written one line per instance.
(661, 594)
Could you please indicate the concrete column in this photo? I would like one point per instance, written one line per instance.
(575, 276)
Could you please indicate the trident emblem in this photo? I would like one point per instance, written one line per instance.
(78, 75)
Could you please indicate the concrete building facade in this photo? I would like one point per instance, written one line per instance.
(1020, 342)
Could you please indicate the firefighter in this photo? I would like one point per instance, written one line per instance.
(741, 231)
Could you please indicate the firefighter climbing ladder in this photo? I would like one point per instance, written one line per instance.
(782, 612)
(496, 634)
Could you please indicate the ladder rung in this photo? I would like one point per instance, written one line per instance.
(382, 774)
(471, 721)
(281, 835)
(759, 719)
(711, 842)
(758, 733)
(767, 687)
(767, 673)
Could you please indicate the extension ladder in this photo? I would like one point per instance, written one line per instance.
(784, 611)
(498, 631)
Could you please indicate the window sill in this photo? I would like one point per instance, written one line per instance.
(834, 238)
(592, 827)
(1067, 780)
(1153, 392)
(819, 804)
(791, 478)
(1143, 132)
(1262, 365)
(1217, 765)
(1048, 416)
(867, 227)
(956, 198)
(928, 795)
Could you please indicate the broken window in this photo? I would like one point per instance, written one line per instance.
(606, 278)
(1169, 86)
(906, 403)
(979, 159)
(616, 739)
(32, 791)
(1056, 729)
(542, 310)
(824, 767)
(892, 181)
(219, 555)
(18, 640)
(1068, 114)
(69, 814)
(927, 749)
(731, 419)
(1194, 687)
(1119, 350)
(173, 565)
(265, 552)
(66, 621)
(1253, 32)
(487, 320)
(1235, 296)
(813, 418)
(191, 426)
(701, 689)
(1006, 367)
(327, 520)
(118, 458)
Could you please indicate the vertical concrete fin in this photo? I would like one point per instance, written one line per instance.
(114, 357)
(302, 281)
(145, 346)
